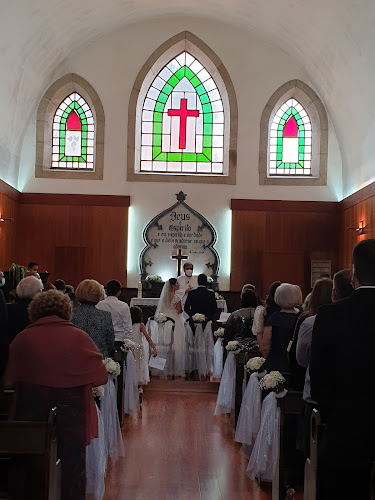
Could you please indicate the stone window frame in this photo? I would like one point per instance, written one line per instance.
(48, 105)
(314, 107)
(189, 42)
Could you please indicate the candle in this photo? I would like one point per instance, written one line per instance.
(139, 289)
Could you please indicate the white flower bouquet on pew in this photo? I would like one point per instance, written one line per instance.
(98, 392)
(233, 345)
(198, 318)
(272, 381)
(160, 318)
(112, 367)
(254, 364)
(219, 333)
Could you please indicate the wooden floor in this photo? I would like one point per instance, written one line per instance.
(176, 449)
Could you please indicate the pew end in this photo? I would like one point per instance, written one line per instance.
(311, 466)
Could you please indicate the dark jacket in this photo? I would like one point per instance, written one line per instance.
(201, 301)
(18, 318)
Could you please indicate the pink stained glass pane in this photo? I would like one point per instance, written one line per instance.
(291, 128)
(73, 122)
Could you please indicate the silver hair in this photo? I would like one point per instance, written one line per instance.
(28, 287)
(288, 296)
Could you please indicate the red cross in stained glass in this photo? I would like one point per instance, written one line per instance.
(183, 113)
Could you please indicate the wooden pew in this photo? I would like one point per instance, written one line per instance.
(120, 357)
(289, 408)
(29, 451)
(6, 400)
(311, 466)
(242, 376)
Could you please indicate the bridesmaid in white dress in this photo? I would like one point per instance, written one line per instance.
(141, 337)
(170, 305)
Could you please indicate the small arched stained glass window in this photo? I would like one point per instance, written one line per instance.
(183, 122)
(73, 135)
(290, 141)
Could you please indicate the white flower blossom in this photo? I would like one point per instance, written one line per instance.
(255, 363)
(271, 380)
(160, 318)
(98, 392)
(198, 318)
(232, 345)
(219, 332)
(112, 367)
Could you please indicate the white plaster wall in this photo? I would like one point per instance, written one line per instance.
(111, 64)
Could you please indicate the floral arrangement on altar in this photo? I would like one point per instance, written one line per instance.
(98, 392)
(154, 278)
(218, 296)
(112, 367)
(233, 345)
(209, 279)
(254, 364)
(198, 318)
(272, 381)
(219, 333)
(160, 318)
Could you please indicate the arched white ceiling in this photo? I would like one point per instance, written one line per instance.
(333, 40)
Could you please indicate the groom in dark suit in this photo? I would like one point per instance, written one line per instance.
(342, 367)
(200, 301)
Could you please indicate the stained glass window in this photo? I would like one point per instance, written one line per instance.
(73, 135)
(183, 121)
(290, 141)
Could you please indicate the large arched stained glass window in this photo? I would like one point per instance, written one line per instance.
(290, 141)
(73, 135)
(183, 122)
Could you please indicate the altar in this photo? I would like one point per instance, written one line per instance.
(153, 302)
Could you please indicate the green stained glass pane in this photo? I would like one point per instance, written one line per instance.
(81, 160)
(301, 141)
(300, 156)
(280, 142)
(76, 105)
(289, 112)
(156, 151)
(195, 81)
(200, 90)
(62, 134)
(161, 157)
(156, 141)
(65, 115)
(202, 158)
(207, 118)
(174, 156)
(282, 122)
(189, 157)
(279, 156)
(207, 152)
(62, 149)
(61, 157)
(207, 129)
(83, 150)
(82, 116)
(167, 89)
(301, 149)
(158, 117)
(188, 73)
(173, 81)
(279, 133)
(62, 122)
(62, 142)
(157, 128)
(297, 165)
(299, 122)
(84, 134)
(162, 97)
(207, 141)
(204, 99)
(84, 121)
(84, 142)
(84, 127)
(159, 107)
(207, 108)
(180, 73)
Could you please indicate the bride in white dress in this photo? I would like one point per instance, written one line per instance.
(170, 305)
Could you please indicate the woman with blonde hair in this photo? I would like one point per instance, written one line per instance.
(96, 323)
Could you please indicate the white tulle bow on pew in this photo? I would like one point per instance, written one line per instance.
(96, 462)
(263, 459)
(131, 396)
(248, 423)
(218, 358)
(227, 389)
(112, 430)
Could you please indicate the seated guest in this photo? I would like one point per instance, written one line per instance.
(262, 313)
(52, 363)
(240, 322)
(278, 331)
(18, 317)
(96, 323)
(49, 286)
(73, 298)
(4, 343)
(120, 312)
(69, 289)
(60, 285)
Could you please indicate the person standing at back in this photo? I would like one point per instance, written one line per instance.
(341, 375)
(201, 301)
(120, 312)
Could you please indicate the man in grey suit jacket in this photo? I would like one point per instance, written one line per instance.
(342, 382)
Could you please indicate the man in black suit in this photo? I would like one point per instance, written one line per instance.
(201, 301)
(342, 367)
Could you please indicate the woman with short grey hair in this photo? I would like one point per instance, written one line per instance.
(279, 328)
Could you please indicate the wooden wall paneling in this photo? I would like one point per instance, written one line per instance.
(69, 264)
(8, 230)
(285, 267)
(248, 241)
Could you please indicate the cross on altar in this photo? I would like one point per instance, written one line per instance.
(179, 257)
(183, 113)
